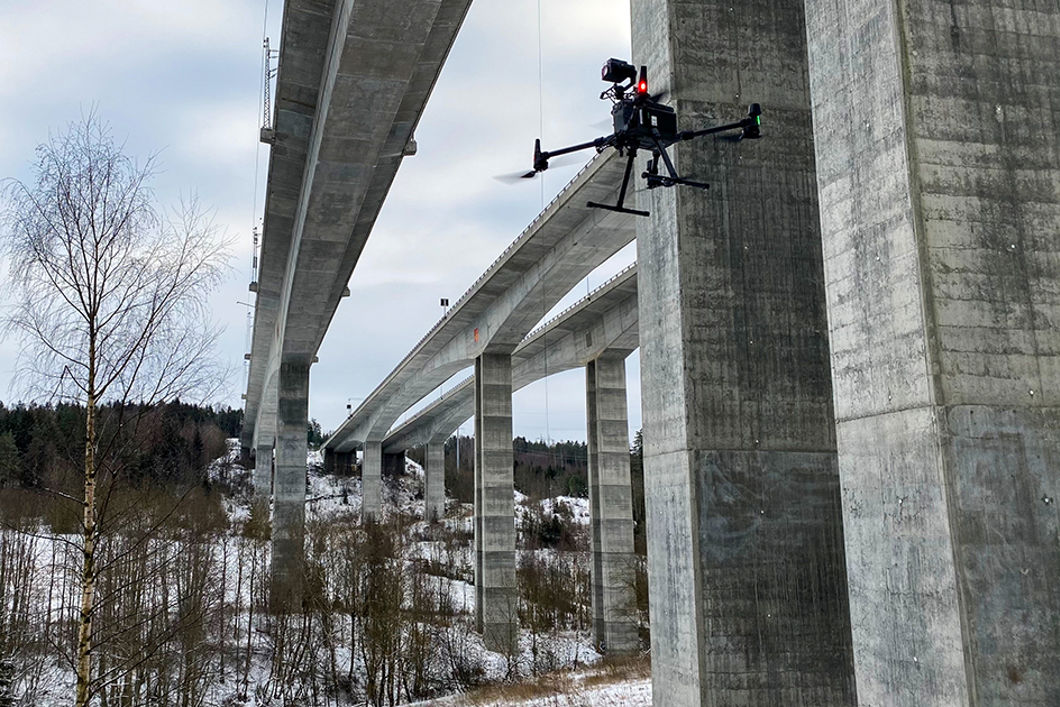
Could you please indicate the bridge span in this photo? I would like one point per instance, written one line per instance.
(352, 80)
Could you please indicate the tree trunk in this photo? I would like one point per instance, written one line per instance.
(88, 572)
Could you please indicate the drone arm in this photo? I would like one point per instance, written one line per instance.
(690, 134)
(598, 142)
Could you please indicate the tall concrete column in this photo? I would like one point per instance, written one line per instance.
(937, 127)
(745, 543)
(262, 476)
(610, 505)
(434, 480)
(288, 514)
(372, 480)
(496, 596)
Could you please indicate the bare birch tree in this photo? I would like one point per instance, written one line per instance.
(109, 302)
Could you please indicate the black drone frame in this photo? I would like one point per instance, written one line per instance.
(642, 122)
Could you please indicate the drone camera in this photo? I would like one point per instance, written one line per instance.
(618, 71)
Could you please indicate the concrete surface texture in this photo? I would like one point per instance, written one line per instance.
(938, 152)
(496, 595)
(745, 541)
(611, 505)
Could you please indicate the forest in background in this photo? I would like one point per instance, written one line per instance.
(165, 446)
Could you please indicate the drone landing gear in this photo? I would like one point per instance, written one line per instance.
(622, 192)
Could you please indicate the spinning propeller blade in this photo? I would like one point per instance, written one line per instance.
(552, 162)
(514, 177)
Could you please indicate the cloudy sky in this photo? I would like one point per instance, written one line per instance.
(183, 80)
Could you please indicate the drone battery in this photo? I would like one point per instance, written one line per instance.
(623, 113)
(661, 118)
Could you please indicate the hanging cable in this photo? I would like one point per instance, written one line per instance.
(540, 95)
(541, 132)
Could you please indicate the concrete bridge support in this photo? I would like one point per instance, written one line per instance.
(938, 166)
(745, 538)
(496, 595)
(372, 480)
(434, 480)
(262, 476)
(611, 505)
(288, 514)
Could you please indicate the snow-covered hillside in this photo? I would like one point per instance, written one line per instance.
(387, 607)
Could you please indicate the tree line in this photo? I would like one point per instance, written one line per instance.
(42, 451)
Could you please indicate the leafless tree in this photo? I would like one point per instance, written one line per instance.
(109, 302)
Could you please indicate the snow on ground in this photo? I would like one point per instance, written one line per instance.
(568, 693)
(577, 507)
(330, 496)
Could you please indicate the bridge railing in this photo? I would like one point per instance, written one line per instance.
(580, 303)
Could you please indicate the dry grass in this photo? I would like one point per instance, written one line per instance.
(562, 683)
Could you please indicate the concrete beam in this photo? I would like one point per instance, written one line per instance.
(745, 544)
(611, 506)
(288, 515)
(936, 129)
(496, 595)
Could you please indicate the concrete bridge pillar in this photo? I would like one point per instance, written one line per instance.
(434, 480)
(262, 476)
(496, 595)
(937, 127)
(611, 505)
(288, 514)
(745, 541)
(372, 480)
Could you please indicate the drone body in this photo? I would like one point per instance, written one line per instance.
(641, 122)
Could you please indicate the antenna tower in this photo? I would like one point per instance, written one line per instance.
(270, 74)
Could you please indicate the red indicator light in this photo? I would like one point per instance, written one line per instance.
(642, 87)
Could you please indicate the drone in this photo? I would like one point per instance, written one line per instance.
(642, 122)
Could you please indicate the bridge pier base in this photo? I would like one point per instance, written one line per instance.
(372, 480)
(496, 594)
(938, 171)
(288, 514)
(611, 506)
(745, 540)
(434, 481)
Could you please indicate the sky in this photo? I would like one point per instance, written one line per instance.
(183, 81)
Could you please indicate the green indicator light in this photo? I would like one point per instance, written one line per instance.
(758, 120)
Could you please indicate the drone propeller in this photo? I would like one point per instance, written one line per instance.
(514, 177)
(554, 162)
